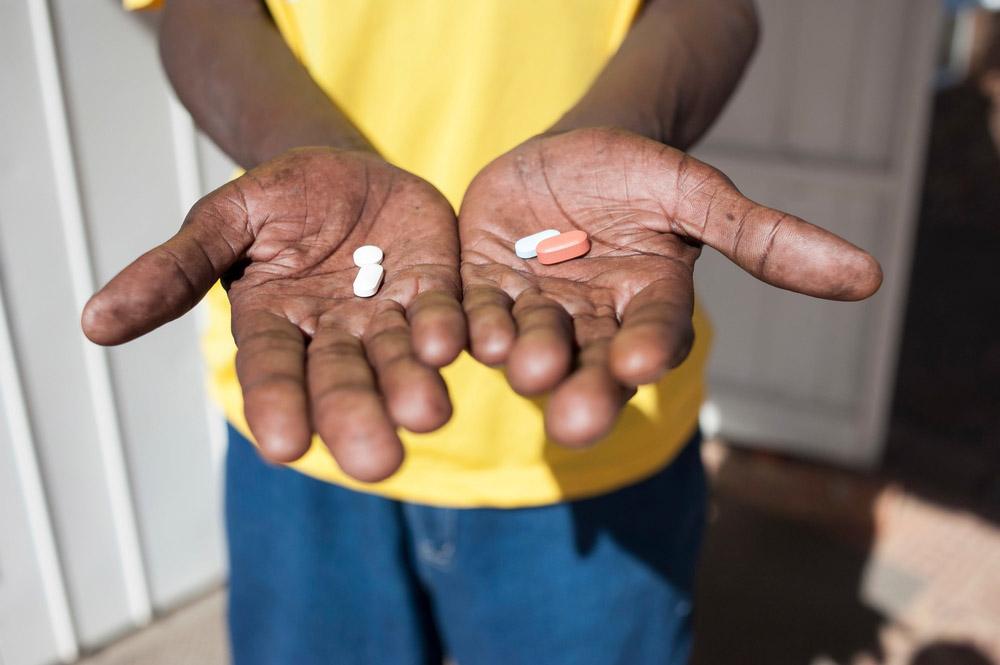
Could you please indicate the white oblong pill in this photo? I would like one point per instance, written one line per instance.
(367, 255)
(368, 280)
(525, 247)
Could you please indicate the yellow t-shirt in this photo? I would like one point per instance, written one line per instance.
(443, 87)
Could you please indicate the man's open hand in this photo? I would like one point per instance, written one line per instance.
(593, 328)
(312, 356)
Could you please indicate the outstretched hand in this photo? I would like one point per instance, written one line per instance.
(311, 356)
(593, 328)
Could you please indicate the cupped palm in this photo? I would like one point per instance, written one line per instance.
(311, 355)
(593, 328)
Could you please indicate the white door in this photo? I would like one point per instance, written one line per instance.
(830, 124)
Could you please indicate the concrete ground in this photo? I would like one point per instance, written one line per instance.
(810, 565)
(193, 635)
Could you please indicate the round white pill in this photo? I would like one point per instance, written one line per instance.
(367, 255)
(368, 280)
(525, 247)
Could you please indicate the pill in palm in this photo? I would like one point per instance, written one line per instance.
(367, 255)
(525, 247)
(368, 280)
(563, 247)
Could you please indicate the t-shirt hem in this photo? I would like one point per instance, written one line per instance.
(570, 486)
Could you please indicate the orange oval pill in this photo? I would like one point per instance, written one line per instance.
(563, 247)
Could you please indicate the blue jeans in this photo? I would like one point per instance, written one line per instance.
(322, 574)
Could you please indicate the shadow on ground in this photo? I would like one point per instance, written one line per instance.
(774, 591)
(945, 436)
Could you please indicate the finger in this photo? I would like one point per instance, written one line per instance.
(270, 365)
(170, 279)
(346, 408)
(585, 407)
(656, 332)
(491, 326)
(415, 394)
(543, 352)
(439, 330)
(773, 246)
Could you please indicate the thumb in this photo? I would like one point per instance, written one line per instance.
(773, 246)
(170, 279)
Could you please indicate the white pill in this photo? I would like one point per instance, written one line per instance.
(367, 255)
(525, 247)
(368, 280)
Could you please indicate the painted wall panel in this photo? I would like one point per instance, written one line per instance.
(35, 623)
(135, 194)
(46, 274)
(823, 81)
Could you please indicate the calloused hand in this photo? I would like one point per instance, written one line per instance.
(312, 356)
(593, 328)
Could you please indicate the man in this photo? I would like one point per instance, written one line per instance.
(486, 540)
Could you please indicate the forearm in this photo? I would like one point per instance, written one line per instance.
(243, 86)
(673, 73)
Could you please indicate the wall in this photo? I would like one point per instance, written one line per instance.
(112, 509)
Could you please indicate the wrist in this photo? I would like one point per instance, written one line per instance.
(288, 134)
(654, 120)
